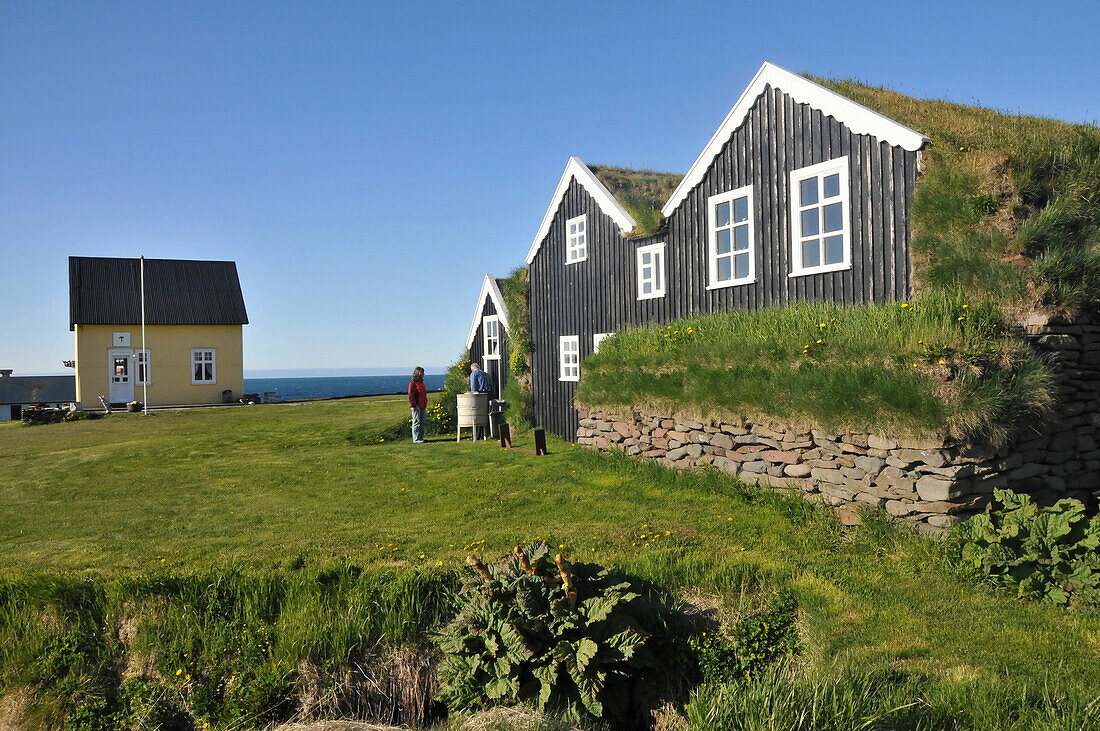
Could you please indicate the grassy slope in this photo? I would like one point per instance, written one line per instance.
(258, 487)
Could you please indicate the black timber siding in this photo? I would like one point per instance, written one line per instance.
(778, 136)
(497, 369)
(107, 291)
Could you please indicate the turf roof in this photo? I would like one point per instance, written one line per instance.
(640, 192)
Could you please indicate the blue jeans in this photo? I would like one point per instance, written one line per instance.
(418, 415)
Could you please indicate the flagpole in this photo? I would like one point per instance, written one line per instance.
(144, 352)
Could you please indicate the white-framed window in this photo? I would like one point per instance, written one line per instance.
(576, 239)
(820, 236)
(597, 339)
(731, 238)
(204, 367)
(142, 364)
(651, 271)
(569, 358)
(491, 327)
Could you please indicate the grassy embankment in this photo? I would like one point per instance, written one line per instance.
(274, 556)
(1006, 220)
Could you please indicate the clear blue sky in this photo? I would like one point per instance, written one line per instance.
(366, 164)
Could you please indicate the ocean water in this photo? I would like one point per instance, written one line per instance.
(293, 389)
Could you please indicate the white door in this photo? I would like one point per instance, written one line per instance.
(121, 377)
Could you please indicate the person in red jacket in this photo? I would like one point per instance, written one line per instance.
(418, 402)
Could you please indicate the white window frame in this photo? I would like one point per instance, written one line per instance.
(820, 171)
(487, 338)
(599, 338)
(569, 360)
(712, 238)
(572, 243)
(143, 367)
(657, 251)
(213, 366)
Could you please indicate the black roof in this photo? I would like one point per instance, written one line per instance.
(105, 291)
(37, 389)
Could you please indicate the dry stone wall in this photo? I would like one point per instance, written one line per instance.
(930, 483)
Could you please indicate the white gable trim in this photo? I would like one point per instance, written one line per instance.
(599, 192)
(489, 289)
(856, 117)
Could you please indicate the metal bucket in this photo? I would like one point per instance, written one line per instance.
(473, 409)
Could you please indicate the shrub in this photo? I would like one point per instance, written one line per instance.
(1050, 554)
(565, 638)
(756, 642)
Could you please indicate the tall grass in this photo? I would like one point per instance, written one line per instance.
(786, 699)
(939, 366)
(220, 647)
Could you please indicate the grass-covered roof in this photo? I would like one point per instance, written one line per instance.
(640, 192)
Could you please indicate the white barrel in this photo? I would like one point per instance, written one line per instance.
(473, 409)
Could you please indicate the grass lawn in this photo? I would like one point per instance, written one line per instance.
(268, 487)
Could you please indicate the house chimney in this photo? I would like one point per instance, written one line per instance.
(5, 373)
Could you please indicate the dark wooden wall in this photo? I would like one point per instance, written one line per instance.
(499, 369)
(778, 136)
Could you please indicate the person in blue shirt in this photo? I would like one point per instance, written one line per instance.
(480, 382)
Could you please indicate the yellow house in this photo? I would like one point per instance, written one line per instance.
(194, 313)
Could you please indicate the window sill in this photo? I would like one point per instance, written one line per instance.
(654, 296)
(569, 380)
(727, 285)
(820, 270)
(576, 261)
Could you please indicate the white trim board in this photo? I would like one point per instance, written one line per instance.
(599, 192)
(855, 116)
(489, 289)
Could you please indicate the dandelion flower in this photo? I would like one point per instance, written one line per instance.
(179, 672)
(820, 341)
(905, 305)
(942, 363)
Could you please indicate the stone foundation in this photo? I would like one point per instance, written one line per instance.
(931, 483)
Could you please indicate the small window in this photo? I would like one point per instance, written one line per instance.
(576, 238)
(819, 218)
(569, 355)
(731, 248)
(651, 271)
(597, 339)
(143, 365)
(203, 366)
(491, 326)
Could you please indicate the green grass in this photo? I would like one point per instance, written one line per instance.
(198, 525)
(936, 367)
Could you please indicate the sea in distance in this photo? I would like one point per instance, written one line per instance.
(295, 389)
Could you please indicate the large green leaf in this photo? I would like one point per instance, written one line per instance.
(586, 650)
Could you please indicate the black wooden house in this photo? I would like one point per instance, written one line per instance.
(487, 342)
(801, 194)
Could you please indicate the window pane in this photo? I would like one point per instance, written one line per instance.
(647, 257)
(834, 250)
(834, 217)
(741, 238)
(647, 288)
(198, 372)
(657, 286)
(580, 240)
(580, 225)
(811, 254)
(572, 228)
(741, 210)
(724, 269)
(647, 273)
(809, 191)
(723, 241)
(809, 222)
(741, 266)
(209, 372)
(722, 214)
(832, 185)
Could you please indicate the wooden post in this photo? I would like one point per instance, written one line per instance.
(505, 435)
(540, 442)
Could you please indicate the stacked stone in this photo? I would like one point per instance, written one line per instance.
(931, 483)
